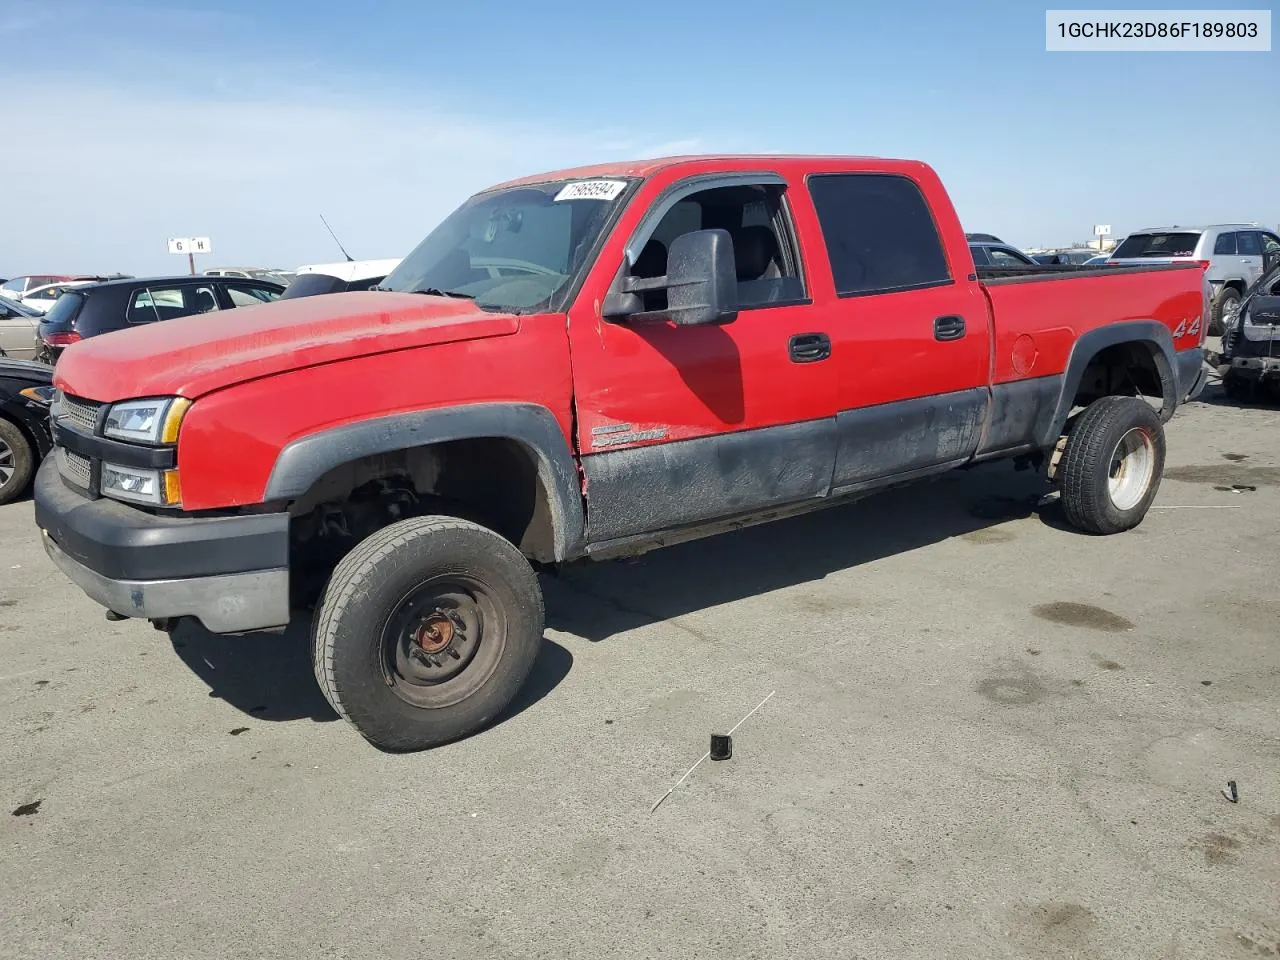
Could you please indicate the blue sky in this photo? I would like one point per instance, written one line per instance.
(243, 121)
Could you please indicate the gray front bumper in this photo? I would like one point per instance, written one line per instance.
(227, 603)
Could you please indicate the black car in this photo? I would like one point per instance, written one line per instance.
(996, 254)
(1251, 344)
(119, 304)
(25, 391)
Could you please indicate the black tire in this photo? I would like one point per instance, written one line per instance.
(426, 632)
(1227, 295)
(17, 461)
(1088, 465)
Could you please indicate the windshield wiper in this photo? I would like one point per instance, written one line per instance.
(437, 292)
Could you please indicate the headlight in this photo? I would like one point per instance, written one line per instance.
(157, 487)
(40, 395)
(147, 421)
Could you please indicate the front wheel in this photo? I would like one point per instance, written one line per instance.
(426, 632)
(17, 461)
(1112, 465)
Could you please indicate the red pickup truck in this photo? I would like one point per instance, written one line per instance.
(589, 363)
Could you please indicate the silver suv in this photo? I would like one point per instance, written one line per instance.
(1235, 254)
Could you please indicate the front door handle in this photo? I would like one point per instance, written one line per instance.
(950, 327)
(809, 347)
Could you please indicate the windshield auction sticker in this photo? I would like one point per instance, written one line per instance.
(592, 190)
(1116, 31)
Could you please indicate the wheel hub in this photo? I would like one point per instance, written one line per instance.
(435, 634)
(433, 639)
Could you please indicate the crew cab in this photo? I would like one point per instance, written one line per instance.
(588, 364)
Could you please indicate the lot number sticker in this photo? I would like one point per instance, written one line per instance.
(592, 190)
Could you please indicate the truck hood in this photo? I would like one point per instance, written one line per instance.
(192, 356)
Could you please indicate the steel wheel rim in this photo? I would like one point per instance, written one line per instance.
(442, 641)
(1230, 310)
(8, 463)
(1133, 465)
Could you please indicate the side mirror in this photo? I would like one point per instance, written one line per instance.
(701, 283)
(702, 280)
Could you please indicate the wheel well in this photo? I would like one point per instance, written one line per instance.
(1236, 285)
(1123, 369)
(493, 481)
(26, 435)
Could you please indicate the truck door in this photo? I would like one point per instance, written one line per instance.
(911, 331)
(680, 425)
(1249, 248)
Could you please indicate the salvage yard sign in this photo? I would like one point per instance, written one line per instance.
(190, 246)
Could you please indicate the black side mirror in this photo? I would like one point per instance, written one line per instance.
(701, 283)
(702, 280)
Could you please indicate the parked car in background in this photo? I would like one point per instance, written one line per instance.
(1234, 256)
(320, 278)
(24, 423)
(982, 238)
(99, 308)
(17, 330)
(997, 254)
(1096, 259)
(17, 288)
(1078, 256)
(41, 299)
(282, 277)
(1251, 344)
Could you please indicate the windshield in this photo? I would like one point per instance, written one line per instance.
(1157, 245)
(63, 313)
(511, 250)
(13, 307)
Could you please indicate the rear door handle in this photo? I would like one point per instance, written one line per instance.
(950, 327)
(809, 347)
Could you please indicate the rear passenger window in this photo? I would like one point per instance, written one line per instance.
(1226, 243)
(245, 296)
(879, 233)
(1248, 245)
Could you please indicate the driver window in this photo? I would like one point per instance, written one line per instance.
(755, 217)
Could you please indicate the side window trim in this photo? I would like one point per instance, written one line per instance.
(682, 189)
(923, 285)
(783, 223)
(131, 304)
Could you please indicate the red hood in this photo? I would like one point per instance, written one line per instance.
(192, 356)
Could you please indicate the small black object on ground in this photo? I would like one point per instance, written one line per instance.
(721, 746)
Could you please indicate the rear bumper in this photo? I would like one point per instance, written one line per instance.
(231, 573)
(1192, 373)
(1255, 368)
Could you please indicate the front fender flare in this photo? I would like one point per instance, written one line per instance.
(305, 460)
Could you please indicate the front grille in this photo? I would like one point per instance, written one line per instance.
(74, 468)
(82, 413)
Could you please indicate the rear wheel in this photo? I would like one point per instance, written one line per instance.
(1225, 307)
(426, 632)
(1112, 465)
(17, 461)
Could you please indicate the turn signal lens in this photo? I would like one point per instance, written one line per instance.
(173, 420)
(172, 488)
